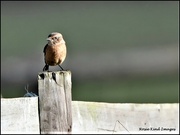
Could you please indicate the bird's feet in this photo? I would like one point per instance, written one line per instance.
(46, 68)
(61, 68)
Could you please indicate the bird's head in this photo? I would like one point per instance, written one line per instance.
(55, 38)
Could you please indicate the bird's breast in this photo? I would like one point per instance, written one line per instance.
(55, 54)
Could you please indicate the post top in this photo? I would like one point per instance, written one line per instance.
(42, 75)
(64, 71)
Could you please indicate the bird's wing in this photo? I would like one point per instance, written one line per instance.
(44, 50)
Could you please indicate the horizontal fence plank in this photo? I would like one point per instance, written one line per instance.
(20, 115)
(97, 117)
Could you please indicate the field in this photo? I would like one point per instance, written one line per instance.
(117, 51)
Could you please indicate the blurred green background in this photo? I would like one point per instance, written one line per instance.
(119, 51)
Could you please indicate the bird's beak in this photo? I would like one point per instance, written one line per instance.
(48, 39)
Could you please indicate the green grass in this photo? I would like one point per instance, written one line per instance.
(94, 26)
(140, 90)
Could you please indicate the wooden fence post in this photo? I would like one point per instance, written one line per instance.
(55, 102)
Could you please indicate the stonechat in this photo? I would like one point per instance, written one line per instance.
(54, 51)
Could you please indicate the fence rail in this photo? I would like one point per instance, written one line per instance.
(20, 115)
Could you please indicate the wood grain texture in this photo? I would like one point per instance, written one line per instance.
(19, 115)
(104, 118)
(55, 102)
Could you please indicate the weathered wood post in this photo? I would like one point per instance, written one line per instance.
(55, 102)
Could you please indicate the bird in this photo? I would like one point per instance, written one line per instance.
(54, 51)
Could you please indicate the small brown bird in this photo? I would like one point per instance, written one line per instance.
(54, 51)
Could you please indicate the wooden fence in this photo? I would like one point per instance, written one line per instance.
(55, 112)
